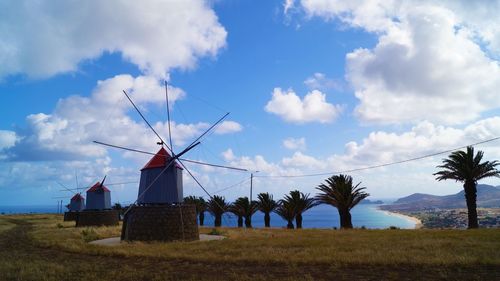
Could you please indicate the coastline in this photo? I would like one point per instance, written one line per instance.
(418, 222)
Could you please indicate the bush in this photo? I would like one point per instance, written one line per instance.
(393, 227)
(59, 225)
(214, 231)
(89, 234)
(363, 227)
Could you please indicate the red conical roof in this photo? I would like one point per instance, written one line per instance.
(161, 158)
(96, 187)
(77, 197)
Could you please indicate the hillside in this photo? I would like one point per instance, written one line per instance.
(43, 247)
(487, 197)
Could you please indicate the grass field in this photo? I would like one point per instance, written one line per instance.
(42, 247)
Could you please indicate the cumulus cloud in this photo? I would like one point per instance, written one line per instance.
(7, 139)
(288, 5)
(312, 108)
(67, 132)
(301, 160)
(379, 147)
(429, 62)
(424, 138)
(319, 81)
(227, 127)
(44, 38)
(295, 144)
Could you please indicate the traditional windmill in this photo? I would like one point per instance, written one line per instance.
(76, 203)
(158, 213)
(98, 211)
(98, 197)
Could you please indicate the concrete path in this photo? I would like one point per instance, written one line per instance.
(114, 241)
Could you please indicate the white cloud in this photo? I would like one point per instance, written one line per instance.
(228, 155)
(67, 133)
(288, 5)
(424, 138)
(227, 127)
(378, 148)
(301, 160)
(181, 133)
(427, 64)
(313, 108)
(44, 38)
(319, 81)
(295, 144)
(7, 139)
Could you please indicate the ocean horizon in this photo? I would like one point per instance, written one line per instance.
(322, 216)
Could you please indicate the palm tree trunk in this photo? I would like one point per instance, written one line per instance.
(345, 218)
(290, 224)
(470, 197)
(298, 220)
(267, 220)
(240, 221)
(201, 218)
(218, 219)
(248, 221)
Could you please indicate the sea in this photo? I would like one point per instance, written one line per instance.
(322, 216)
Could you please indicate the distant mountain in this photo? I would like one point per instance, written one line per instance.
(487, 197)
(368, 201)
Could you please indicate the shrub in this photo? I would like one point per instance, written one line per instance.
(89, 234)
(215, 231)
(59, 225)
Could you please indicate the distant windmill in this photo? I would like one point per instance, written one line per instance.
(98, 211)
(76, 204)
(98, 197)
(158, 212)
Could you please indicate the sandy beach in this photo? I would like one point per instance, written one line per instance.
(418, 223)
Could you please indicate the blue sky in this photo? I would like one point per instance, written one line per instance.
(313, 86)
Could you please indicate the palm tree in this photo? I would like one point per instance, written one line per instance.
(300, 202)
(343, 195)
(244, 209)
(286, 211)
(237, 208)
(266, 204)
(200, 204)
(467, 168)
(201, 207)
(217, 206)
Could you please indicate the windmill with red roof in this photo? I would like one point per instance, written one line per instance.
(159, 212)
(98, 197)
(76, 203)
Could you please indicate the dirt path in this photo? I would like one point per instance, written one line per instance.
(21, 259)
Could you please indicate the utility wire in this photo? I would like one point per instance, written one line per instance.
(380, 165)
(233, 185)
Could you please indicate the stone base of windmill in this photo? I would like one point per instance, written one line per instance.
(97, 218)
(70, 216)
(161, 223)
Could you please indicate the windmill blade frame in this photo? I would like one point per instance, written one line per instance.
(183, 159)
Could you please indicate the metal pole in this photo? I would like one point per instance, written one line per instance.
(251, 186)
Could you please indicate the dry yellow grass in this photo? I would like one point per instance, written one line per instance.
(331, 250)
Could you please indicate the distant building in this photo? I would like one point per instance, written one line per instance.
(98, 197)
(77, 203)
(156, 187)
